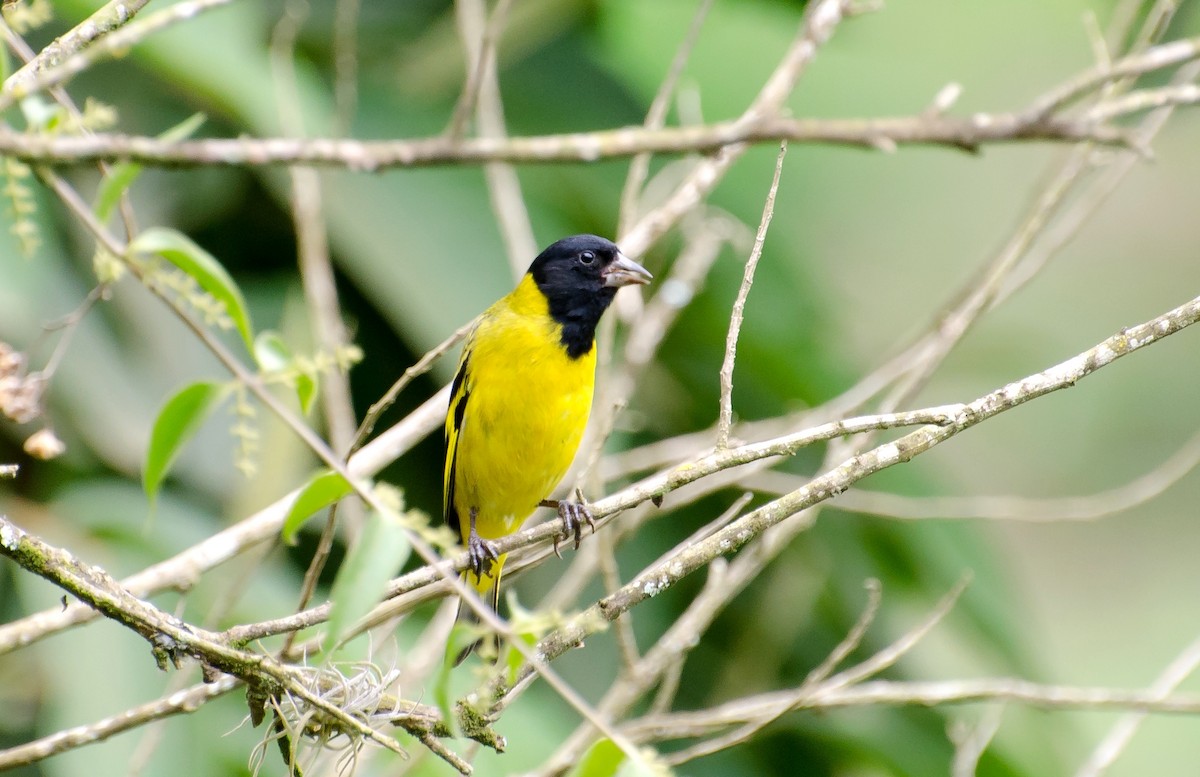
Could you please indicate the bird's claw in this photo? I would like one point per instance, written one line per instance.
(573, 516)
(481, 555)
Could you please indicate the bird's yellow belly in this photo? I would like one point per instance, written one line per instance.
(522, 429)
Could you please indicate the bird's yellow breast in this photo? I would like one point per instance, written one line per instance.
(526, 405)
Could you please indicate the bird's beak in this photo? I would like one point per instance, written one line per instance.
(625, 272)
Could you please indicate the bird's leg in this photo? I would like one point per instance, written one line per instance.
(573, 516)
(481, 553)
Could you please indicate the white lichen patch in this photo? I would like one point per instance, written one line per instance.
(888, 452)
(10, 536)
(651, 588)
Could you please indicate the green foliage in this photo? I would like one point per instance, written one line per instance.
(176, 423)
(274, 356)
(201, 267)
(603, 759)
(324, 489)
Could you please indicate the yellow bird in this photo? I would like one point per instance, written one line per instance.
(521, 398)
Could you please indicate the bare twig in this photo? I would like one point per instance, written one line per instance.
(656, 117)
(184, 568)
(678, 725)
(967, 133)
(111, 16)
(1011, 508)
(88, 43)
(184, 701)
(1119, 736)
(847, 646)
(739, 307)
(481, 95)
(170, 638)
(422, 366)
(657, 485)
(345, 64)
(971, 747)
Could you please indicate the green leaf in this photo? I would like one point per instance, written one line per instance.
(379, 552)
(179, 250)
(273, 355)
(271, 352)
(514, 659)
(602, 759)
(606, 759)
(121, 176)
(322, 490)
(176, 423)
(306, 389)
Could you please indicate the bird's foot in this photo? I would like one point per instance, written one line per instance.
(481, 555)
(573, 516)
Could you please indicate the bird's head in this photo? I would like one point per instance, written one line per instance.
(584, 266)
(579, 277)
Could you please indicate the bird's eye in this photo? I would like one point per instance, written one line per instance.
(587, 257)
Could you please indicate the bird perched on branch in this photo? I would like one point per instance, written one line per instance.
(521, 398)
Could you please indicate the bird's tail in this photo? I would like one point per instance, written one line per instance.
(488, 588)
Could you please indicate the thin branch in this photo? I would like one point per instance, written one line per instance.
(680, 725)
(853, 639)
(481, 57)
(965, 133)
(422, 366)
(818, 675)
(658, 485)
(895, 651)
(1118, 738)
(739, 306)
(170, 638)
(345, 64)
(971, 747)
(656, 117)
(481, 94)
(1157, 58)
(104, 20)
(1010, 508)
(184, 701)
(1034, 694)
(184, 568)
(92, 43)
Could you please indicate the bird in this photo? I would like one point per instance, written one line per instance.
(520, 401)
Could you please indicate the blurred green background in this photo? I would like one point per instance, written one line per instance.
(864, 250)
